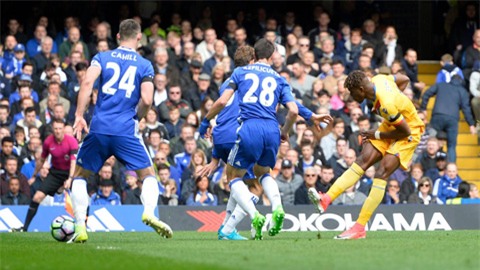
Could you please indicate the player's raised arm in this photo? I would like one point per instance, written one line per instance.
(402, 81)
(83, 99)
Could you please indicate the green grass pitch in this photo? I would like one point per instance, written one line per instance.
(452, 250)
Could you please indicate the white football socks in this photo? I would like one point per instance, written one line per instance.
(149, 196)
(236, 217)
(242, 196)
(270, 188)
(231, 205)
(80, 200)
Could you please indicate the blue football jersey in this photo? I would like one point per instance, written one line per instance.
(227, 120)
(123, 71)
(259, 89)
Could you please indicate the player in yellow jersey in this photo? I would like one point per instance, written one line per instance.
(393, 143)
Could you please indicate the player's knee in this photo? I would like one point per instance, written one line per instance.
(38, 197)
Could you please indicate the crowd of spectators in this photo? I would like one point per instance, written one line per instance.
(41, 75)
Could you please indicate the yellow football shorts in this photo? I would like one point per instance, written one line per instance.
(403, 149)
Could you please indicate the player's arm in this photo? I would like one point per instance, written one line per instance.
(146, 98)
(290, 119)
(402, 81)
(219, 104)
(394, 118)
(316, 119)
(86, 89)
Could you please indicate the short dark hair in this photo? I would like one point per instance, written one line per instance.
(27, 63)
(5, 107)
(163, 167)
(11, 157)
(340, 139)
(362, 118)
(155, 131)
(304, 143)
(80, 66)
(29, 110)
(326, 167)
(337, 121)
(264, 49)
(128, 29)
(58, 121)
(243, 55)
(368, 45)
(354, 79)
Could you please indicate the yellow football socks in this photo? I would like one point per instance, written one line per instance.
(373, 200)
(348, 179)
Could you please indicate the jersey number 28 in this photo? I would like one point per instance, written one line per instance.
(127, 82)
(267, 93)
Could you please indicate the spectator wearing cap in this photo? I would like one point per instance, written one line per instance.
(24, 90)
(288, 182)
(189, 79)
(475, 89)
(105, 194)
(450, 98)
(449, 69)
(442, 140)
(219, 48)
(429, 132)
(34, 45)
(14, 67)
(131, 194)
(14, 195)
(200, 91)
(439, 170)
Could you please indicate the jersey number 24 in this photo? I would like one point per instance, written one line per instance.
(127, 82)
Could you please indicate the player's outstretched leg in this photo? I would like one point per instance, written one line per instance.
(388, 165)
(80, 205)
(149, 197)
(228, 230)
(371, 203)
(270, 188)
(240, 193)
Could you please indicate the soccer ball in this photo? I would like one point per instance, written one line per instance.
(62, 228)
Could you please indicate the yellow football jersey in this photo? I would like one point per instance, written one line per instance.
(392, 105)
